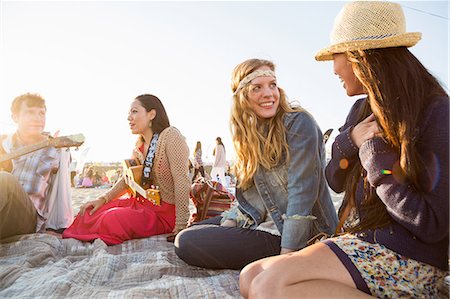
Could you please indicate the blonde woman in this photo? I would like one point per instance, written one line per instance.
(198, 162)
(391, 159)
(282, 193)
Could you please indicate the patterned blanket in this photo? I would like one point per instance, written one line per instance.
(42, 265)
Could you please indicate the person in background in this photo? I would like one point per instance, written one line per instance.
(220, 162)
(282, 192)
(73, 172)
(97, 179)
(105, 180)
(392, 160)
(88, 178)
(164, 154)
(198, 162)
(77, 180)
(36, 195)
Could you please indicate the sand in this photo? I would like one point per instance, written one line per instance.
(82, 195)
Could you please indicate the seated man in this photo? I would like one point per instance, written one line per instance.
(36, 195)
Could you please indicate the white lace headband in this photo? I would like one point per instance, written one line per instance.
(253, 75)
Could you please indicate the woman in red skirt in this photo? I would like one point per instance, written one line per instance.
(164, 154)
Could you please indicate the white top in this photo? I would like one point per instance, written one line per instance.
(221, 160)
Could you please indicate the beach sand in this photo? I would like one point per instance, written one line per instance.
(82, 195)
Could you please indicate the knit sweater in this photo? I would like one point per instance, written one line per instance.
(419, 219)
(170, 172)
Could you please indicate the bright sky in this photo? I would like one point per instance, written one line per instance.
(89, 60)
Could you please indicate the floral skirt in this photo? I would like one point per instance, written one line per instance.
(386, 273)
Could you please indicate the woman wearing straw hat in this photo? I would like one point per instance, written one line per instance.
(391, 159)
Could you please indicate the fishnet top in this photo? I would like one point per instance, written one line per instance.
(170, 172)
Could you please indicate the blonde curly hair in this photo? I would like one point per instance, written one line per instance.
(257, 142)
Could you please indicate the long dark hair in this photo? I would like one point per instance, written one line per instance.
(399, 89)
(161, 120)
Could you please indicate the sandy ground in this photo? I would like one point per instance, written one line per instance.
(82, 195)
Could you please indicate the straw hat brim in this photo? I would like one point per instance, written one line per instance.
(402, 40)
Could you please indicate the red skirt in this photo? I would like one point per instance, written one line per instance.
(123, 219)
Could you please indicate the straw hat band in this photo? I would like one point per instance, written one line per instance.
(363, 25)
(373, 37)
(405, 40)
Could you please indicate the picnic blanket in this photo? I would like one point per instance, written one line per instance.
(45, 266)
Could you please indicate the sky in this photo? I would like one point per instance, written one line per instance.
(90, 59)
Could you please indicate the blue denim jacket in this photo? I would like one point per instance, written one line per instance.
(295, 193)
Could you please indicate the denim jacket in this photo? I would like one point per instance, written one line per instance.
(295, 193)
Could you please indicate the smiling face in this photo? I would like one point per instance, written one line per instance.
(139, 118)
(30, 120)
(264, 96)
(343, 69)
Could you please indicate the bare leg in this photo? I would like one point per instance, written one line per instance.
(279, 276)
(314, 289)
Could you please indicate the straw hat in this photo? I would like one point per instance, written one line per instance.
(363, 25)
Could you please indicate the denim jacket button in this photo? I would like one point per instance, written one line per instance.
(362, 235)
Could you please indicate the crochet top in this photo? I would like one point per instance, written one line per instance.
(170, 172)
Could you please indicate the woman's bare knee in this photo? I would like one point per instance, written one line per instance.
(254, 269)
(317, 262)
(247, 275)
(265, 285)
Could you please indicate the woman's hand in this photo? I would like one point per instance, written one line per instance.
(95, 204)
(365, 130)
(229, 223)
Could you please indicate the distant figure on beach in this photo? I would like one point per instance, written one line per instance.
(36, 195)
(88, 178)
(220, 162)
(73, 172)
(282, 192)
(392, 160)
(77, 179)
(164, 154)
(198, 162)
(97, 179)
(105, 180)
